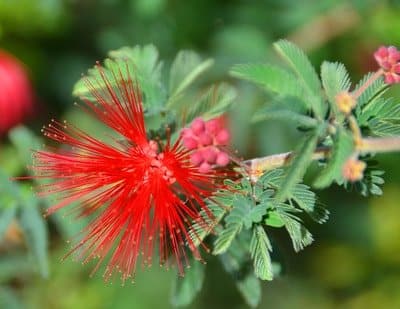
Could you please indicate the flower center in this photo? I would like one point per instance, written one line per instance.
(157, 165)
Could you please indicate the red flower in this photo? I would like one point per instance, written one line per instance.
(140, 191)
(16, 94)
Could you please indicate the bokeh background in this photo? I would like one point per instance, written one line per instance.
(355, 260)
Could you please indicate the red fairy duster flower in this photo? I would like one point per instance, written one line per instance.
(140, 191)
(16, 94)
(388, 59)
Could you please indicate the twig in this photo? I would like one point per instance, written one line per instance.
(258, 166)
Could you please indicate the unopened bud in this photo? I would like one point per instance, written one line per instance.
(353, 170)
(345, 102)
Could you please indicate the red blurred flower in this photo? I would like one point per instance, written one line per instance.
(140, 191)
(388, 59)
(16, 93)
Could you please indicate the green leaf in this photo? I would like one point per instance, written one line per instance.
(213, 103)
(342, 148)
(306, 200)
(185, 69)
(299, 235)
(25, 141)
(250, 288)
(139, 63)
(305, 72)
(203, 227)
(382, 116)
(226, 237)
(372, 92)
(335, 79)
(260, 247)
(271, 77)
(35, 231)
(235, 261)
(186, 288)
(272, 178)
(243, 214)
(371, 182)
(299, 163)
(7, 215)
(274, 219)
(290, 116)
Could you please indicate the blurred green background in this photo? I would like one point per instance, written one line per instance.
(355, 260)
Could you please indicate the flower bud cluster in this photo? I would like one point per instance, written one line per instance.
(388, 59)
(206, 139)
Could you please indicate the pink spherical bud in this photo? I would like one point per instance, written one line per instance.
(190, 143)
(196, 158)
(198, 126)
(223, 137)
(209, 154)
(205, 139)
(212, 126)
(16, 93)
(222, 159)
(204, 168)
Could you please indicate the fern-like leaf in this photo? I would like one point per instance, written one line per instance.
(305, 72)
(260, 247)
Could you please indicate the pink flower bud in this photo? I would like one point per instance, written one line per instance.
(198, 126)
(222, 137)
(190, 143)
(204, 168)
(212, 126)
(222, 159)
(209, 154)
(196, 158)
(205, 139)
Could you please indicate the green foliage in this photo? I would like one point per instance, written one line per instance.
(371, 182)
(9, 299)
(244, 213)
(306, 74)
(163, 105)
(301, 159)
(19, 202)
(381, 116)
(335, 79)
(186, 288)
(140, 63)
(341, 149)
(272, 78)
(185, 69)
(35, 230)
(290, 103)
(299, 235)
(207, 222)
(372, 92)
(215, 101)
(260, 247)
(235, 261)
